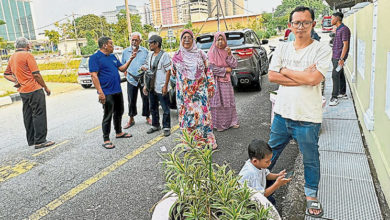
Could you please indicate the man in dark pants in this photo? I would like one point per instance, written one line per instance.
(160, 91)
(104, 67)
(133, 76)
(340, 54)
(23, 70)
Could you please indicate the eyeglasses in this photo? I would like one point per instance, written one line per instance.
(297, 24)
(187, 38)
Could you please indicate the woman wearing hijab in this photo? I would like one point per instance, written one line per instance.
(194, 86)
(223, 106)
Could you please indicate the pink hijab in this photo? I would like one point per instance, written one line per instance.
(216, 55)
(189, 62)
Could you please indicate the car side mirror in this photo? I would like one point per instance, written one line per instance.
(264, 41)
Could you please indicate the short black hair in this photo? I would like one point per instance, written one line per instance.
(103, 40)
(339, 14)
(302, 9)
(258, 149)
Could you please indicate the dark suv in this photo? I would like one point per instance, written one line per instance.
(251, 56)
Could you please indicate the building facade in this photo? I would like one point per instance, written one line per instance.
(111, 16)
(164, 12)
(368, 72)
(229, 7)
(18, 20)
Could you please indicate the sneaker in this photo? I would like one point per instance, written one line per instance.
(333, 102)
(342, 96)
(167, 132)
(153, 129)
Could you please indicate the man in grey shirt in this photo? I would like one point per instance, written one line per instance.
(160, 92)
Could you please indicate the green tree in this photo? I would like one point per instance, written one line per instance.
(288, 5)
(91, 46)
(54, 37)
(120, 32)
(93, 24)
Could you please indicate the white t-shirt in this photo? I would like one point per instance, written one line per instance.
(163, 66)
(301, 103)
(255, 178)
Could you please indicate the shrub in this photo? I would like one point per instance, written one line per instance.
(61, 78)
(73, 64)
(206, 190)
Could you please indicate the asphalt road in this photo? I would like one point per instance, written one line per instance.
(79, 179)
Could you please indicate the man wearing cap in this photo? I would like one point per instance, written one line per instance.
(162, 61)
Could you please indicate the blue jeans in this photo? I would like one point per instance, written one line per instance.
(306, 135)
(154, 99)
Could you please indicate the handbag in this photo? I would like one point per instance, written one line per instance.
(140, 78)
(150, 74)
(234, 79)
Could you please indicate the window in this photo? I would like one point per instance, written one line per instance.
(387, 109)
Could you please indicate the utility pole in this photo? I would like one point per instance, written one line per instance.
(218, 14)
(128, 19)
(77, 39)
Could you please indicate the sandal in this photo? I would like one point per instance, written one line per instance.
(44, 144)
(128, 125)
(316, 205)
(108, 145)
(124, 135)
(236, 126)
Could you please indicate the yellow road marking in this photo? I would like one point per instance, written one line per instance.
(8, 172)
(94, 129)
(50, 148)
(87, 183)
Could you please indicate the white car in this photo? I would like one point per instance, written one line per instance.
(84, 76)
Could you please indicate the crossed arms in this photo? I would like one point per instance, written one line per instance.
(287, 77)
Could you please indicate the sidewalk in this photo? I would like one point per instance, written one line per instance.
(346, 189)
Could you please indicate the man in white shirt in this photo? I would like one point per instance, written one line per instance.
(299, 67)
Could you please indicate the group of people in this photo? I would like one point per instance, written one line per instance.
(204, 93)
(205, 97)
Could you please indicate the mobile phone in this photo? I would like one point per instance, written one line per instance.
(289, 175)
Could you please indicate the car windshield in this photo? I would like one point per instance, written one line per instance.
(327, 23)
(233, 39)
(84, 62)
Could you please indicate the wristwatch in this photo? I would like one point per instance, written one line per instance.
(342, 59)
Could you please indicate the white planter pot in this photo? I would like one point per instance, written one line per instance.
(161, 212)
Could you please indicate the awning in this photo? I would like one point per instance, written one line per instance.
(344, 3)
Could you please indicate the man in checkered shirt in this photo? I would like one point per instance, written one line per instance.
(340, 54)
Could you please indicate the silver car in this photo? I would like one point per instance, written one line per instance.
(84, 76)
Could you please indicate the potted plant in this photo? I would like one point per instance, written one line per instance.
(197, 188)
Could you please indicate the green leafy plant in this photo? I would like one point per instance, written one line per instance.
(206, 190)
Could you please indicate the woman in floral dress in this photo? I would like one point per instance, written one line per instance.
(194, 86)
(223, 105)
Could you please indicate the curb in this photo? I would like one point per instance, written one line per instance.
(7, 100)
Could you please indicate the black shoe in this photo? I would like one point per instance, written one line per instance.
(167, 132)
(153, 129)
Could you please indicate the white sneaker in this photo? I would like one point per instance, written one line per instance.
(342, 96)
(333, 102)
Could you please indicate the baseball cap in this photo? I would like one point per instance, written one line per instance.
(155, 38)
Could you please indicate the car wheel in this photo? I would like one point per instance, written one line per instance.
(86, 86)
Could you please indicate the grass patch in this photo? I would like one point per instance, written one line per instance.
(7, 93)
(61, 78)
(73, 64)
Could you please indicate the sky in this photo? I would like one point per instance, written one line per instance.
(47, 12)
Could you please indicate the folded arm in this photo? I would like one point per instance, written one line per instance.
(281, 79)
(310, 76)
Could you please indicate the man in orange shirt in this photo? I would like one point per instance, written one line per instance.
(23, 70)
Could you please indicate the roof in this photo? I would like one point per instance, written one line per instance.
(344, 3)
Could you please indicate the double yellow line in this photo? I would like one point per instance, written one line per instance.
(8, 172)
(87, 183)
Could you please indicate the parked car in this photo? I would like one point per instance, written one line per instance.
(251, 56)
(84, 76)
